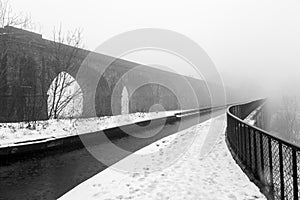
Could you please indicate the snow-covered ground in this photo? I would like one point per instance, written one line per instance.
(12, 133)
(213, 175)
(249, 119)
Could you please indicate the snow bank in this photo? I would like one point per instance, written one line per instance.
(192, 176)
(11, 133)
(249, 119)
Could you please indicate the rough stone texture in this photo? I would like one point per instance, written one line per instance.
(28, 67)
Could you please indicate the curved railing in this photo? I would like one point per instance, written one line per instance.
(272, 163)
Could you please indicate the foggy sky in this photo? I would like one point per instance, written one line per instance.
(254, 44)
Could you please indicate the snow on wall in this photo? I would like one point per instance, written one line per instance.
(11, 133)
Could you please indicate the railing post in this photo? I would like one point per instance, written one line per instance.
(255, 153)
(245, 146)
(229, 127)
(295, 174)
(271, 166)
(261, 156)
(250, 154)
(281, 170)
(230, 133)
(233, 135)
(238, 139)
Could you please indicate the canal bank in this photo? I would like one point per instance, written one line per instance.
(194, 175)
(50, 176)
(21, 149)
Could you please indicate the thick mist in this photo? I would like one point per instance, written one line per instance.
(254, 44)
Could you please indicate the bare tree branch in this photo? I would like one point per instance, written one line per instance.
(10, 18)
(65, 48)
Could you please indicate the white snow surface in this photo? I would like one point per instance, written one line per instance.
(249, 119)
(192, 176)
(13, 133)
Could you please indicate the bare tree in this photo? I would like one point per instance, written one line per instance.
(63, 90)
(9, 18)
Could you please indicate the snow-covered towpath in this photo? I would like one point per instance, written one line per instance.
(213, 175)
(12, 134)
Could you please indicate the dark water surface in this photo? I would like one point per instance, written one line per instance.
(50, 176)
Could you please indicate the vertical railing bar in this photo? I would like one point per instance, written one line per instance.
(236, 137)
(250, 149)
(231, 131)
(295, 174)
(281, 170)
(271, 167)
(262, 156)
(237, 140)
(255, 153)
(234, 133)
(240, 140)
(245, 144)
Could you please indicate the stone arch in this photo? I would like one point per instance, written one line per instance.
(103, 98)
(142, 98)
(65, 97)
(124, 101)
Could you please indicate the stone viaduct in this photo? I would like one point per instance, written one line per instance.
(29, 64)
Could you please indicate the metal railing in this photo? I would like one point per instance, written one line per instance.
(271, 162)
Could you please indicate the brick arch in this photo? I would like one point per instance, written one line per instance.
(125, 101)
(103, 98)
(69, 92)
(150, 94)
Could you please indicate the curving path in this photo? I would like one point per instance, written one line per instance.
(180, 166)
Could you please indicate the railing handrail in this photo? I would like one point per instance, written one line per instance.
(285, 141)
(272, 162)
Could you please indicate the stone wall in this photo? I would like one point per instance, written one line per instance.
(30, 67)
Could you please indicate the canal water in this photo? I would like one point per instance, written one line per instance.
(50, 176)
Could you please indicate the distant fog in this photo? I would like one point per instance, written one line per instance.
(254, 44)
